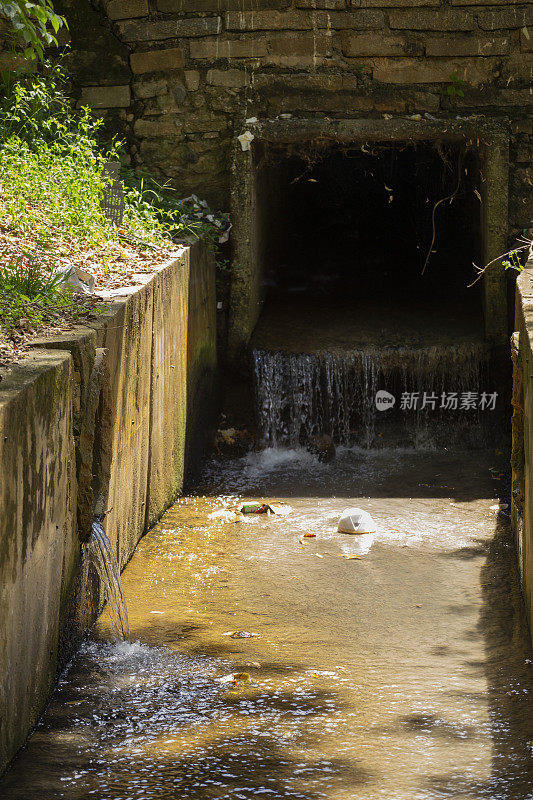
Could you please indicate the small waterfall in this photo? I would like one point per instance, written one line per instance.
(299, 395)
(99, 553)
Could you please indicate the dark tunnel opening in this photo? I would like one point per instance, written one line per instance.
(353, 227)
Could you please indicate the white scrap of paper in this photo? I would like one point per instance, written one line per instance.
(245, 139)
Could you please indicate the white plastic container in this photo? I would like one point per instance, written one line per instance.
(355, 520)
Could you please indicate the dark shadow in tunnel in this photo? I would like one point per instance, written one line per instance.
(356, 223)
(368, 248)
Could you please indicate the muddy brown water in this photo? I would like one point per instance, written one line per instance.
(404, 674)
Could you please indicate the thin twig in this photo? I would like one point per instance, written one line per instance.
(437, 204)
(482, 270)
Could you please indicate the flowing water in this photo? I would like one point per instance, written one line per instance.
(299, 395)
(404, 674)
(98, 553)
(318, 367)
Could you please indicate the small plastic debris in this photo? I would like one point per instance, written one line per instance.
(280, 509)
(78, 279)
(193, 209)
(251, 120)
(499, 507)
(243, 635)
(235, 677)
(355, 520)
(260, 507)
(232, 442)
(224, 236)
(246, 140)
(309, 535)
(227, 435)
(254, 508)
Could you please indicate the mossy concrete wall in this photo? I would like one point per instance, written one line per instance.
(38, 542)
(522, 432)
(109, 418)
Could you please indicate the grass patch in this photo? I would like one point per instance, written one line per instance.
(51, 188)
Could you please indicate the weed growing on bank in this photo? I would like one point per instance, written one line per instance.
(51, 164)
(51, 218)
(32, 296)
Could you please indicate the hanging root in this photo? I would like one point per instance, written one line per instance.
(439, 202)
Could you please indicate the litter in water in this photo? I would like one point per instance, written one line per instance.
(355, 520)
(257, 507)
(240, 634)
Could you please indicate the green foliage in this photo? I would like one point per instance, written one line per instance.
(51, 165)
(188, 218)
(31, 26)
(513, 261)
(36, 109)
(51, 182)
(31, 296)
(455, 88)
(51, 189)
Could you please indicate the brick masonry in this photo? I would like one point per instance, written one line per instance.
(178, 78)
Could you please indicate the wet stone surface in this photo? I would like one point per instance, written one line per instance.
(402, 674)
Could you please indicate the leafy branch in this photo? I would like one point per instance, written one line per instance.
(509, 260)
(31, 26)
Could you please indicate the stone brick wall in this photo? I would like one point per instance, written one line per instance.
(180, 77)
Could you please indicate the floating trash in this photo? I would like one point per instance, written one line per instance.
(355, 520)
(235, 677)
(240, 634)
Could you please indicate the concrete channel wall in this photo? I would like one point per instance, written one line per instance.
(522, 432)
(110, 418)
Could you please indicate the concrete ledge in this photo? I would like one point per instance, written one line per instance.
(38, 543)
(522, 428)
(111, 417)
